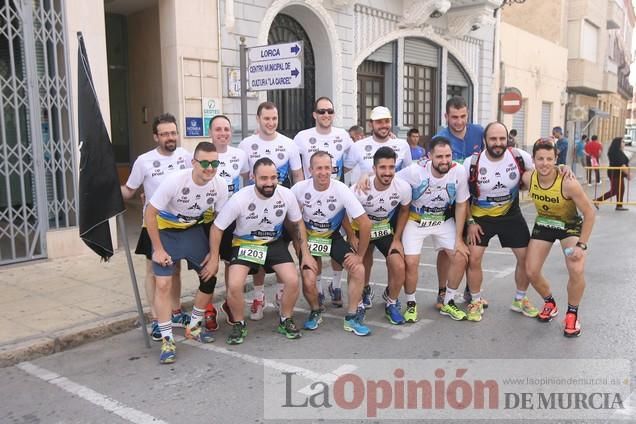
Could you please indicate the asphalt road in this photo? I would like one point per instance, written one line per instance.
(118, 380)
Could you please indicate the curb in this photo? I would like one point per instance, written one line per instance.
(68, 338)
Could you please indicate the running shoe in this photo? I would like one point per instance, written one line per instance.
(256, 310)
(180, 319)
(168, 351)
(313, 321)
(440, 299)
(288, 329)
(451, 310)
(199, 334)
(572, 325)
(355, 324)
(393, 314)
(525, 307)
(469, 298)
(155, 333)
(229, 318)
(549, 311)
(474, 311)
(336, 296)
(210, 318)
(410, 315)
(238, 334)
(367, 296)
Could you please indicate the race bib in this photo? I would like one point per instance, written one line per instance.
(253, 253)
(319, 246)
(380, 230)
(550, 223)
(431, 220)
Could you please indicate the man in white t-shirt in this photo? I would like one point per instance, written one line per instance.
(149, 170)
(438, 209)
(387, 206)
(324, 202)
(174, 217)
(335, 141)
(268, 143)
(260, 212)
(361, 155)
(232, 164)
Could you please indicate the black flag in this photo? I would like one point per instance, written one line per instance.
(100, 195)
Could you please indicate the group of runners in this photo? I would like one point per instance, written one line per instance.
(244, 205)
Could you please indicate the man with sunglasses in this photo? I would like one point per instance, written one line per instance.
(269, 143)
(149, 170)
(175, 215)
(335, 141)
(361, 154)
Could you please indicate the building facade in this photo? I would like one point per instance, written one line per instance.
(407, 55)
(146, 57)
(571, 60)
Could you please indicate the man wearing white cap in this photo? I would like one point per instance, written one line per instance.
(362, 152)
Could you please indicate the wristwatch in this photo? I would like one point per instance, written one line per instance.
(470, 221)
(583, 246)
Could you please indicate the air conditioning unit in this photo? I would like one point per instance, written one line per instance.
(578, 113)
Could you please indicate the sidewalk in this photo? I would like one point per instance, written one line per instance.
(53, 305)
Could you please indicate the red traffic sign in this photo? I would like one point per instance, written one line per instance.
(511, 101)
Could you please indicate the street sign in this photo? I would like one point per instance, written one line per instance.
(275, 67)
(511, 101)
(194, 127)
(275, 51)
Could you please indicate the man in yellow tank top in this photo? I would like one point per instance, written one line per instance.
(558, 201)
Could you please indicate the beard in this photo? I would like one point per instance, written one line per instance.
(496, 152)
(442, 169)
(265, 190)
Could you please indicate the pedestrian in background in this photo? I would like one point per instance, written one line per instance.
(413, 138)
(512, 138)
(561, 145)
(617, 158)
(593, 149)
(579, 152)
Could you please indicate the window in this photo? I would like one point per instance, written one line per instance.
(457, 82)
(419, 98)
(519, 124)
(370, 89)
(589, 42)
(546, 117)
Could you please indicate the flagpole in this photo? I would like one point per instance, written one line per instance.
(140, 310)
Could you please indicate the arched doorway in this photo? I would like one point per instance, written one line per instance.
(295, 105)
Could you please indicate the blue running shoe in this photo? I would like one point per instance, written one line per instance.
(155, 333)
(313, 321)
(355, 324)
(168, 351)
(394, 315)
(180, 319)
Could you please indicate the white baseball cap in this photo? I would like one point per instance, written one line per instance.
(380, 112)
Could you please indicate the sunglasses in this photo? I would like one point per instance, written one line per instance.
(323, 111)
(544, 141)
(205, 164)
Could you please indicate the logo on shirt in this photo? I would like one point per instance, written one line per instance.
(318, 212)
(210, 200)
(265, 221)
(332, 207)
(394, 203)
(195, 207)
(254, 146)
(185, 191)
(338, 147)
(281, 156)
(312, 140)
(279, 212)
(307, 196)
(156, 164)
(224, 174)
(438, 198)
(368, 148)
(512, 175)
(251, 207)
(380, 209)
(235, 166)
(482, 171)
(499, 186)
